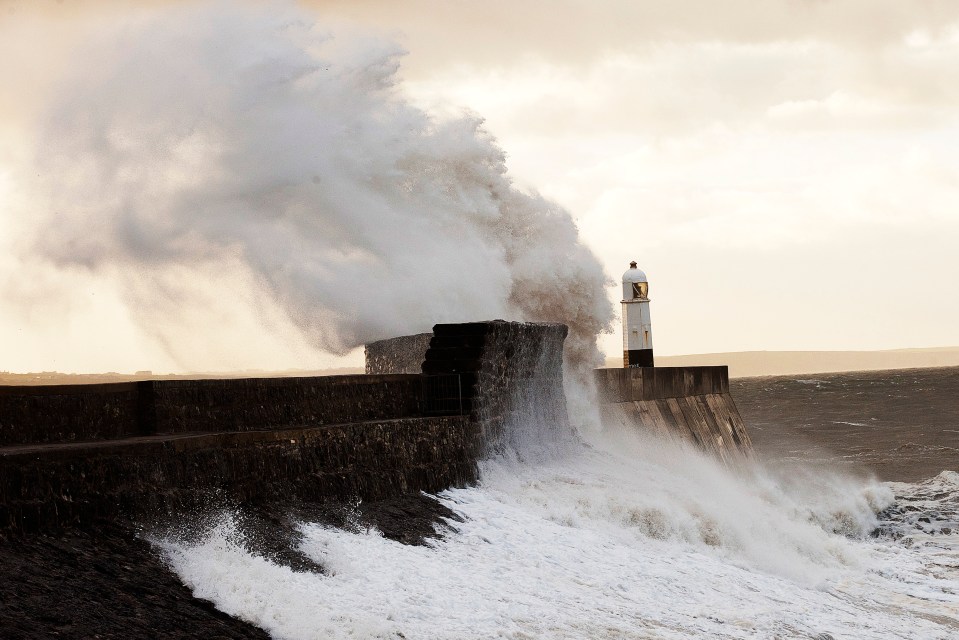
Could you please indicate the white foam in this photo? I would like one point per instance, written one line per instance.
(206, 147)
(603, 544)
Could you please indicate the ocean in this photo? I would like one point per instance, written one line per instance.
(900, 425)
(845, 525)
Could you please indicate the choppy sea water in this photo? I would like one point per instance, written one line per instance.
(899, 425)
(619, 537)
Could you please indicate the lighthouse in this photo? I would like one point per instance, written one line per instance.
(637, 332)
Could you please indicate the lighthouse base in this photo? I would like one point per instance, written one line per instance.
(638, 358)
(686, 404)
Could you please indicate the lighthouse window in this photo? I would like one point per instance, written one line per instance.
(640, 289)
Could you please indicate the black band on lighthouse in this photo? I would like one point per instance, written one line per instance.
(638, 358)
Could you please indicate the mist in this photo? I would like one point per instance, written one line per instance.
(219, 167)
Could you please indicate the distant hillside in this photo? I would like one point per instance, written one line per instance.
(741, 364)
(770, 363)
(54, 377)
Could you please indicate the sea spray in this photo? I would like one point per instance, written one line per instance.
(218, 162)
(605, 542)
(614, 533)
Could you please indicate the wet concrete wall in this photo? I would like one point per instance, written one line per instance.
(512, 376)
(70, 455)
(50, 487)
(83, 413)
(691, 404)
(68, 413)
(404, 354)
(267, 403)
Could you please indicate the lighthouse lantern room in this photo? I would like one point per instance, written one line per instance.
(637, 331)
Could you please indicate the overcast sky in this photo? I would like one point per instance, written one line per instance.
(785, 171)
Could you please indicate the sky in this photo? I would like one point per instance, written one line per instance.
(784, 171)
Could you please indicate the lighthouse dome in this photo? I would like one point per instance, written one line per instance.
(634, 275)
(635, 285)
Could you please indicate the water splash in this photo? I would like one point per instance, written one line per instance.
(212, 161)
(604, 545)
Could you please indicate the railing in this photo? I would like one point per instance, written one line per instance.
(442, 394)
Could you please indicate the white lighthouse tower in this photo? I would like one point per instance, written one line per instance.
(637, 331)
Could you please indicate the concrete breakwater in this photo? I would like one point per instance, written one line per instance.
(105, 412)
(71, 455)
(691, 404)
(430, 407)
(512, 398)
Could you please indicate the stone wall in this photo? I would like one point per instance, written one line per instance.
(45, 488)
(656, 383)
(83, 413)
(268, 403)
(69, 413)
(72, 454)
(691, 404)
(404, 354)
(512, 381)
(512, 376)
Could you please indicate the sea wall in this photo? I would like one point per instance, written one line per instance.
(47, 488)
(519, 371)
(512, 377)
(267, 403)
(68, 413)
(691, 404)
(83, 413)
(70, 455)
(404, 354)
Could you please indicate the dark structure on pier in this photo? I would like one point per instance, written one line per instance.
(72, 455)
(691, 404)
(430, 407)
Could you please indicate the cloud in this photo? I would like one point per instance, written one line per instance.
(238, 174)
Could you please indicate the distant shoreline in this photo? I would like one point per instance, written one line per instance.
(55, 377)
(750, 364)
(742, 364)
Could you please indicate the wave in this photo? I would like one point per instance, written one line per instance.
(602, 544)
